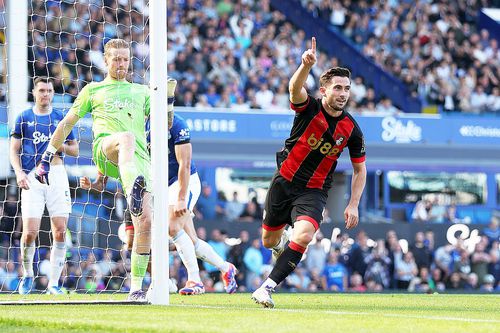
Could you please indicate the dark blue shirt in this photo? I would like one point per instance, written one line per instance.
(179, 134)
(35, 131)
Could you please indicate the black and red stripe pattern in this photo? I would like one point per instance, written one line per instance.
(316, 142)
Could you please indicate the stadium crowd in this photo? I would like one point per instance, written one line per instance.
(347, 264)
(239, 55)
(433, 46)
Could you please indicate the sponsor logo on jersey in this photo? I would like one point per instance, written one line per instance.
(39, 137)
(111, 104)
(325, 148)
(31, 123)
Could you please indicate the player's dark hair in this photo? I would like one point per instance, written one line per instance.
(328, 75)
(43, 79)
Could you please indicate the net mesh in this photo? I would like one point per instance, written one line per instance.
(65, 43)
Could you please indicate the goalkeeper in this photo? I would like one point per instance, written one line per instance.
(119, 109)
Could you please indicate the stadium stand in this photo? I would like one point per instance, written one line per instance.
(240, 56)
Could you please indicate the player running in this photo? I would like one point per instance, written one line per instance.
(321, 130)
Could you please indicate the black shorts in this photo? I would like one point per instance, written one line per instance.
(287, 202)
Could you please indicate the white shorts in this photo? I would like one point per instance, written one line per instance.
(194, 190)
(56, 195)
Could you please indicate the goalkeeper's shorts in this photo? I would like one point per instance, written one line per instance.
(110, 169)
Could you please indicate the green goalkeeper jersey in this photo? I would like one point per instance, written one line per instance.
(116, 106)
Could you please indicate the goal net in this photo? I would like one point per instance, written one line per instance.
(65, 42)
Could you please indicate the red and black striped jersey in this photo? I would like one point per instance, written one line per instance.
(316, 142)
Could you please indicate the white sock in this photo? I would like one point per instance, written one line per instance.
(206, 253)
(278, 246)
(185, 248)
(57, 260)
(28, 253)
(269, 283)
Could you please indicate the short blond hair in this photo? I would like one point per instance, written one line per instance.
(115, 43)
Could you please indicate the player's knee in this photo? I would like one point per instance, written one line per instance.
(269, 241)
(173, 228)
(127, 140)
(302, 238)
(59, 235)
(29, 237)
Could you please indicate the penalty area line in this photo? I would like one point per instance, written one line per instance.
(330, 312)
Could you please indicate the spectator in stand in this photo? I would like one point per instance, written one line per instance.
(492, 231)
(422, 282)
(385, 107)
(254, 264)
(463, 266)
(488, 284)
(421, 253)
(334, 277)
(316, 255)
(234, 208)
(406, 269)
(377, 268)
(480, 259)
(422, 211)
(472, 282)
(437, 283)
(494, 266)
(359, 252)
(298, 280)
(358, 89)
(251, 212)
(356, 283)
(205, 207)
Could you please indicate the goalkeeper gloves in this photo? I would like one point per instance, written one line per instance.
(43, 167)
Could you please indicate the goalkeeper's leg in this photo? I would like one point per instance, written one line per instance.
(118, 153)
(141, 249)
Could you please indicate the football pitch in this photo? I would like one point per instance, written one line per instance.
(238, 313)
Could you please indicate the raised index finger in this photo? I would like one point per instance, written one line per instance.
(313, 44)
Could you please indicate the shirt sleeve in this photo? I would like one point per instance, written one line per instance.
(82, 104)
(181, 134)
(301, 106)
(17, 131)
(356, 144)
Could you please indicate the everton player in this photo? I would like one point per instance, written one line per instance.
(30, 139)
(322, 129)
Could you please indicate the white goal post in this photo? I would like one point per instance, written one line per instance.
(94, 221)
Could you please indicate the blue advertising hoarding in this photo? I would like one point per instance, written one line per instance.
(407, 129)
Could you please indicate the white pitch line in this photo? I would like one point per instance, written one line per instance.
(393, 315)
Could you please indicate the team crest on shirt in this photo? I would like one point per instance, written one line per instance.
(339, 140)
(184, 132)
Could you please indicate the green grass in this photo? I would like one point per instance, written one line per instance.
(237, 313)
